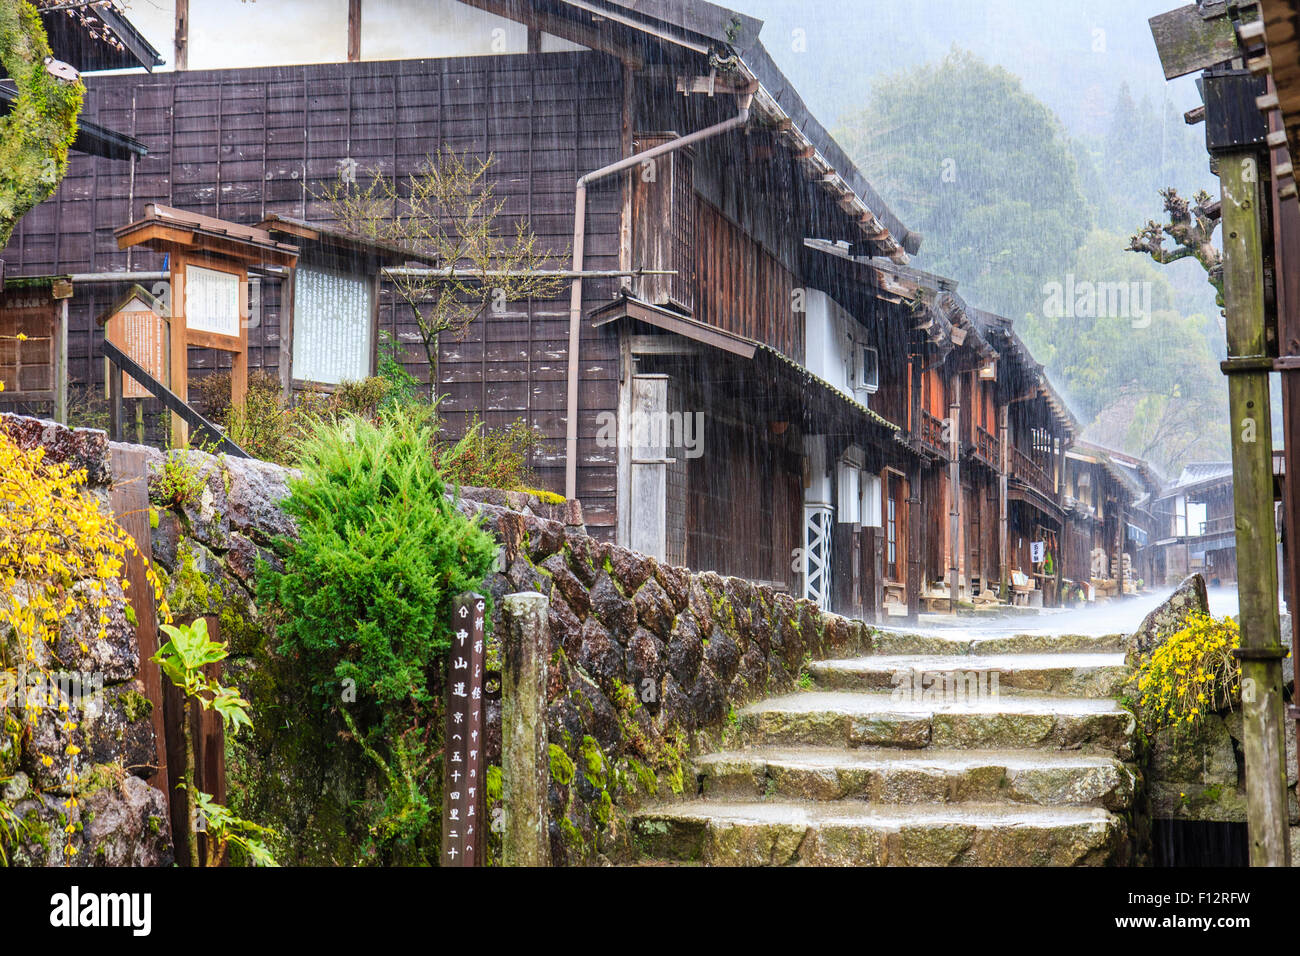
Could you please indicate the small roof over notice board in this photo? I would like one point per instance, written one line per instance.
(317, 240)
(165, 228)
(137, 324)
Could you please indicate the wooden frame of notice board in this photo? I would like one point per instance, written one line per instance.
(208, 263)
(333, 269)
(138, 324)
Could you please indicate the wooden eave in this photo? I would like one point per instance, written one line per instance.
(164, 229)
(315, 240)
(669, 321)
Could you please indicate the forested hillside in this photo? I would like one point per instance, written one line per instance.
(1035, 223)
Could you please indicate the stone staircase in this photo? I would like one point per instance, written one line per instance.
(867, 768)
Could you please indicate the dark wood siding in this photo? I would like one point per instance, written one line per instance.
(241, 144)
(741, 287)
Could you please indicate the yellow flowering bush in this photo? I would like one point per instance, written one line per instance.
(60, 556)
(1192, 673)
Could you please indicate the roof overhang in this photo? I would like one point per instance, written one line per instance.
(1018, 491)
(92, 139)
(637, 310)
(320, 240)
(730, 42)
(630, 310)
(97, 38)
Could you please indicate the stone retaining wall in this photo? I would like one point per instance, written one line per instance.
(119, 818)
(648, 662)
(1200, 775)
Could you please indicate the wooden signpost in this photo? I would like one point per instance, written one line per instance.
(208, 262)
(462, 794)
(139, 327)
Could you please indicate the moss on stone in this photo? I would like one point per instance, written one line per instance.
(189, 592)
(135, 705)
(562, 768)
(593, 762)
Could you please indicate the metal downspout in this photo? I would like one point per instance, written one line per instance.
(579, 237)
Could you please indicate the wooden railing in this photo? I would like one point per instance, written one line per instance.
(1031, 473)
(932, 432)
(1219, 525)
(119, 363)
(986, 447)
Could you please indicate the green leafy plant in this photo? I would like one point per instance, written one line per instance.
(180, 482)
(12, 827)
(403, 387)
(222, 828)
(364, 600)
(184, 658)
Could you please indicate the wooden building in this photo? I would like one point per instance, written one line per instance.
(787, 400)
(1107, 499)
(1195, 525)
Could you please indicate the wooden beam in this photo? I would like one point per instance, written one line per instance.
(563, 28)
(61, 364)
(182, 54)
(354, 30)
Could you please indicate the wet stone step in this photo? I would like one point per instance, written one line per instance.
(897, 642)
(856, 719)
(1097, 675)
(853, 833)
(890, 776)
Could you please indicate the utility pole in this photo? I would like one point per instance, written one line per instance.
(1206, 37)
(354, 30)
(182, 57)
(1247, 366)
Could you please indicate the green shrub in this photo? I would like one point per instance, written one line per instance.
(364, 602)
(380, 553)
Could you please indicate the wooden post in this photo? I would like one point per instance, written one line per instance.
(61, 364)
(954, 507)
(354, 30)
(114, 401)
(1004, 461)
(914, 522)
(915, 531)
(129, 498)
(525, 648)
(182, 34)
(287, 288)
(462, 792)
(1252, 474)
